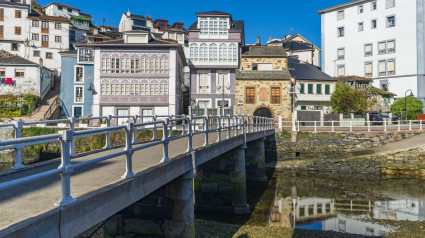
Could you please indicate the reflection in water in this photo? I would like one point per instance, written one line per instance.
(342, 204)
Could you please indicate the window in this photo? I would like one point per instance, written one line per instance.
(310, 88)
(382, 68)
(341, 54)
(233, 53)
(35, 37)
(44, 24)
(69, 10)
(254, 67)
(360, 27)
(14, 46)
(223, 83)
(172, 36)
(49, 55)
(79, 74)
(220, 102)
(44, 41)
(2, 72)
(368, 50)
(203, 52)
(85, 55)
(60, 8)
(302, 90)
(275, 95)
(1, 14)
(318, 89)
(18, 14)
(390, 3)
(79, 94)
(58, 39)
(391, 21)
(213, 26)
(340, 15)
(213, 52)
(249, 95)
(327, 89)
(360, 9)
(179, 36)
(391, 46)
(17, 30)
(58, 26)
(35, 23)
(374, 24)
(223, 53)
(194, 52)
(391, 67)
(19, 73)
(36, 53)
(382, 48)
(303, 108)
(368, 69)
(204, 82)
(384, 87)
(115, 65)
(374, 6)
(341, 70)
(340, 31)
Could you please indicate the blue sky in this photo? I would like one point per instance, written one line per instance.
(264, 19)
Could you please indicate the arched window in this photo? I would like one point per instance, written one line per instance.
(203, 52)
(194, 52)
(213, 52)
(223, 52)
(233, 54)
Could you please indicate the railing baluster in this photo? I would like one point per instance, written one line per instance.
(154, 128)
(228, 127)
(67, 168)
(129, 131)
(190, 135)
(410, 125)
(165, 140)
(108, 134)
(219, 129)
(72, 121)
(205, 126)
(18, 148)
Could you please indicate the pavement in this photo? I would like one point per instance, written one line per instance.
(406, 144)
(34, 198)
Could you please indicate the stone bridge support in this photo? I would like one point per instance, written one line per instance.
(220, 185)
(167, 212)
(255, 161)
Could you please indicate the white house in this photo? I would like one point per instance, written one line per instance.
(62, 10)
(21, 76)
(380, 39)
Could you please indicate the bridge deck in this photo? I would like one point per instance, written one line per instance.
(35, 198)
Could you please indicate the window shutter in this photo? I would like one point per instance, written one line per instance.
(391, 44)
(381, 66)
(341, 71)
(368, 48)
(368, 68)
(382, 46)
(340, 52)
(391, 65)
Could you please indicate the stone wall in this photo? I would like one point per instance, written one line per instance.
(279, 63)
(333, 145)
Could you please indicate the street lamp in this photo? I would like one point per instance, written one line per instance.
(292, 90)
(405, 101)
(222, 87)
(240, 104)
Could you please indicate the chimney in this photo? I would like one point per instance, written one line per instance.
(258, 43)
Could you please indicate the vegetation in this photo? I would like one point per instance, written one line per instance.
(15, 106)
(36, 6)
(346, 100)
(414, 108)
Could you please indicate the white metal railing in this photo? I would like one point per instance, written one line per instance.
(187, 124)
(331, 126)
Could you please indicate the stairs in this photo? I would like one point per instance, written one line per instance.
(39, 112)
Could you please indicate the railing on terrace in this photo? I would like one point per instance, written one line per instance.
(345, 125)
(189, 126)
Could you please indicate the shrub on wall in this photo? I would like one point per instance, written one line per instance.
(15, 106)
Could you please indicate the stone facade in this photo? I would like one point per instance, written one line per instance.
(278, 63)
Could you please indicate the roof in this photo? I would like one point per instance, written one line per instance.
(297, 46)
(259, 75)
(302, 37)
(139, 17)
(352, 78)
(62, 5)
(303, 71)
(381, 92)
(16, 60)
(51, 18)
(212, 13)
(14, 4)
(264, 51)
(85, 15)
(175, 30)
(344, 5)
(236, 26)
(83, 18)
(68, 52)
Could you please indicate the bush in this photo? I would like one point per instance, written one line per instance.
(14, 106)
(414, 108)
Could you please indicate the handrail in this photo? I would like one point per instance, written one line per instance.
(53, 105)
(67, 138)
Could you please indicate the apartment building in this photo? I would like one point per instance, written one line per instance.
(379, 39)
(215, 42)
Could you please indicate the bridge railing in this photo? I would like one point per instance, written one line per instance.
(247, 124)
(351, 126)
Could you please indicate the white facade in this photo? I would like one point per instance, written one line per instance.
(380, 39)
(127, 22)
(61, 10)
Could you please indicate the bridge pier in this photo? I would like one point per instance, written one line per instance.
(256, 161)
(220, 185)
(167, 212)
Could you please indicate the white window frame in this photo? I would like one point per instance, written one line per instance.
(388, 49)
(337, 15)
(395, 65)
(386, 4)
(371, 51)
(75, 74)
(226, 91)
(82, 110)
(387, 23)
(75, 91)
(337, 54)
(204, 99)
(225, 99)
(358, 26)
(379, 50)
(385, 71)
(366, 63)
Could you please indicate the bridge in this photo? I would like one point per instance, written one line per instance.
(63, 198)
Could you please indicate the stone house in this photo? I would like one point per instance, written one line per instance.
(262, 81)
(21, 76)
(384, 100)
(357, 82)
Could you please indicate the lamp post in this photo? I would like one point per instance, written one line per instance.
(292, 90)
(222, 87)
(240, 104)
(405, 102)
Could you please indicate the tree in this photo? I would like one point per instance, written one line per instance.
(414, 108)
(346, 100)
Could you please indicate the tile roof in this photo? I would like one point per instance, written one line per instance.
(62, 5)
(14, 4)
(212, 13)
(16, 60)
(259, 75)
(264, 51)
(297, 46)
(86, 15)
(52, 18)
(352, 78)
(304, 71)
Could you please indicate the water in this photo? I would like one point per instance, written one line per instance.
(350, 204)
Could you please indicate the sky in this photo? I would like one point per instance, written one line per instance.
(262, 19)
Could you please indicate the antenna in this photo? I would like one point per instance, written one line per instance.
(291, 30)
(103, 21)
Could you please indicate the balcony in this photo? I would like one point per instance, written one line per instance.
(44, 30)
(45, 44)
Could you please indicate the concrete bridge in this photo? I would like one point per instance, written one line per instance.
(66, 197)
